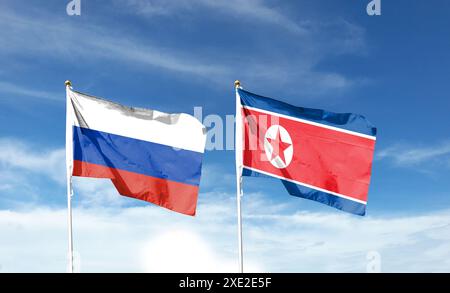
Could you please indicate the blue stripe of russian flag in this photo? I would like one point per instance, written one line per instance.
(137, 156)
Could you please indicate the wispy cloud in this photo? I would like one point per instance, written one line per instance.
(253, 10)
(41, 36)
(318, 39)
(15, 154)
(25, 92)
(60, 39)
(408, 155)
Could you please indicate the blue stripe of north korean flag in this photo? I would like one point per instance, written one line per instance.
(137, 156)
(348, 121)
(334, 201)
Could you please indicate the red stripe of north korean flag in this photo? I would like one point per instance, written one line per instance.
(325, 159)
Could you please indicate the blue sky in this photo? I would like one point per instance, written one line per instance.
(174, 55)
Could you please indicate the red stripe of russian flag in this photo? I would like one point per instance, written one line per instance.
(172, 195)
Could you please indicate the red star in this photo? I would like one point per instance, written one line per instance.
(278, 147)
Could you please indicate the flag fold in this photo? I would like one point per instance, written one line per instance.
(148, 155)
(318, 155)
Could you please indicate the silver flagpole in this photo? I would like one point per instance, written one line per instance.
(69, 207)
(238, 154)
(239, 211)
(69, 167)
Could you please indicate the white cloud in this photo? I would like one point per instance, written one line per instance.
(97, 192)
(181, 251)
(318, 39)
(54, 37)
(255, 10)
(154, 240)
(407, 155)
(17, 90)
(212, 174)
(112, 236)
(17, 154)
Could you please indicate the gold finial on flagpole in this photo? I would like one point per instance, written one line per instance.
(68, 83)
(237, 84)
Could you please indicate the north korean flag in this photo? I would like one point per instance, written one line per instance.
(318, 155)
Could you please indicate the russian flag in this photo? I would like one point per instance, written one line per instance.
(318, 155)
(148, 155)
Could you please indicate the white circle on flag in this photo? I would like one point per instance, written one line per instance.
(278, 146)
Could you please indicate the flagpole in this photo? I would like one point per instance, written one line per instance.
(69, 207)
(69, 178)
(239, 211)
(239, 193)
